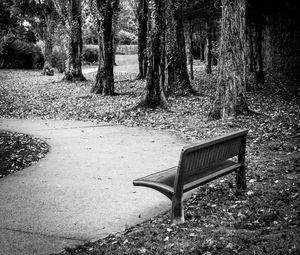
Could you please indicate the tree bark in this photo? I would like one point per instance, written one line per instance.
(259, 69)
(104, 83)
(191, 58)
(178, 79)
(50, 24)
(154, 95)
(209, 48)
(70, 12)
(230, 98)
(142, 11)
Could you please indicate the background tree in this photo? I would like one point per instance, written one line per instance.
(106, 10)
(42, 17)
(70, 13)
(254, 26)
(154, 95)
(177, 75)
(142, 16)
(230, 98)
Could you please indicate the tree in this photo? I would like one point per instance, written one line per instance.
(255, 25)
(177, 75)
(230, 98)
(42, 17)
(106, 10)
(154, 95)
(142, 11)
(70, 13)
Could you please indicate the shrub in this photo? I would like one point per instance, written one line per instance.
(127, 49)
(15, 53)
(90, 53)
(59, 58)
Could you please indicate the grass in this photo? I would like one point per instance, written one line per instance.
(263, 220)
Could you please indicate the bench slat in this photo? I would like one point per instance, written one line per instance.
(213, 173)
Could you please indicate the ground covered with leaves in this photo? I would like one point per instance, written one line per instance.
(18, 151)
(263, 220)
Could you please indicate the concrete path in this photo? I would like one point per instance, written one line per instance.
(82, 190)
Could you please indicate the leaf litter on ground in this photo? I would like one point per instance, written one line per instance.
(263, 220)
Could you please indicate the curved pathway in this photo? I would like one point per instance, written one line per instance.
(82, 190)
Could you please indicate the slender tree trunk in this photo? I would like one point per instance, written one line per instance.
(191, 58)
(230, 98)
(259, 69)
(73, 71)
(178, 78)
(202, 51)
(154, 95)
(250, 47)
(142, 38)
(209, 48)
(104, 83)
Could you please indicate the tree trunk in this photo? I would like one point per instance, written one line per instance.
(178, 78)
(250, 52)
(154, 95)
(209, 48)
(230, 98)
(202, 51)
(191, 59)
(259, 69)
(73, 46)
(48, 69)
(142, 38)
(104, 83)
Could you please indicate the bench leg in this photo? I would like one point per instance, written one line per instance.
(241, 183)
(177, 210)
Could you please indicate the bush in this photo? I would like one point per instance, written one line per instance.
(59, 58)
(15, 53)
(127, 49)
(90, 53)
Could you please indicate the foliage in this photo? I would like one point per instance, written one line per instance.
(15, 53)
(18, 151)
(59, 59)
(127, 49)
(8, 22)
(39, 14)
(90, 53)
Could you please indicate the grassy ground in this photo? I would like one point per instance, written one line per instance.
(263, 220)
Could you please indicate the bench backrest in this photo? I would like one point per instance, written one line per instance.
(204, 154)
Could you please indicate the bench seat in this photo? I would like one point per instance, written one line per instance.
(163, 181)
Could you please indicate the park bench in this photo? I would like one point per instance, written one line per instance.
(199, 164)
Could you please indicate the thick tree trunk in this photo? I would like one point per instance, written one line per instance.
(104, 83)
(178, 79)
(73, 71)
(142, 38)
(154, 95)
(48, 69)
(230, 98)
